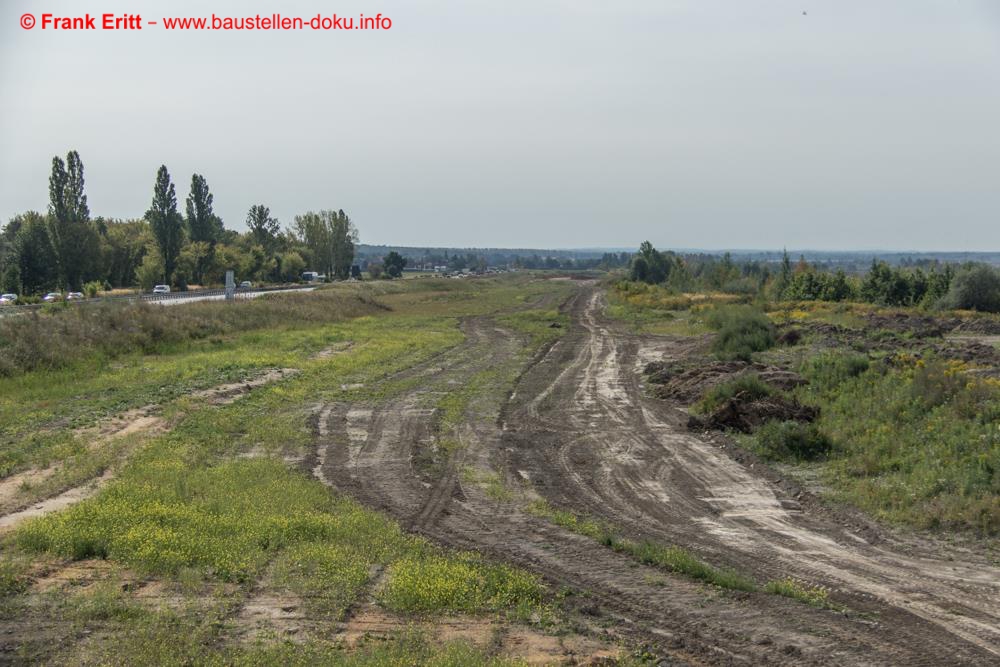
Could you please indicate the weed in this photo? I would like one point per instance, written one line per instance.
(828, 370)
(673, 558)
(816, 596)
(464, 583)
(792, 440)
(742, 331)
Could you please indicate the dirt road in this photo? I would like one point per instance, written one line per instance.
(578, 431)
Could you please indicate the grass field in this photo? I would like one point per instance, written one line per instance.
(210, 502)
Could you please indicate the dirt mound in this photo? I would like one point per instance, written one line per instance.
(746, 415)
(918, 326)
(688, 383)
(969, 351)
(979, 325)
(788, 337)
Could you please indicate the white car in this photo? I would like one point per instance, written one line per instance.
(161, 289)
(52, 296)
(74, 296)
(246, 284)
(6, 299)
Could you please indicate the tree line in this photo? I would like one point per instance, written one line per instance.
(972, 286)
(65, 248)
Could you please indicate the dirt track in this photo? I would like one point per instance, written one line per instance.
(578, 431)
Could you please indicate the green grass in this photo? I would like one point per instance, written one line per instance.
(430, 584)
(915, 442)
(184, 503)
(816, 596)
(654, 309)
(175, 638)
(680, 561)
(673, 558)
(742, 331)
(791, 441)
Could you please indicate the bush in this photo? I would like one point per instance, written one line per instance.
(975, 288)
(92, 288)
(748, 384)
(743, 330)
(829, 370)
(791, 440)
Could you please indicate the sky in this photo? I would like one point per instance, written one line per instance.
(820, 124)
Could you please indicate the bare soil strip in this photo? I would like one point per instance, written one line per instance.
(578, 429)
(603, 447)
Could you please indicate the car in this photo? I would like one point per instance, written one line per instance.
(161, 289)
(74, 296)
(246, 284)
(52, 296)
(7, 299)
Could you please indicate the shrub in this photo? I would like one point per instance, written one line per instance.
(975, 288)
(743, 330)
(791, 440)
(829, 370)
(937, 382)
(92, 288)
(749, 385)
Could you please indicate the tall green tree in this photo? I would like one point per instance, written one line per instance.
(345, 238)
(202, 223)
(203, 226)
(74, 242)
(166, 222)
(650, 265)
(264, 228)
(33, 256)
(331, 239)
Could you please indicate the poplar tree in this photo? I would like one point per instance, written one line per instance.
(166, 222)
(73, 241)
(203, 225)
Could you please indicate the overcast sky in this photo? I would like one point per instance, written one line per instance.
(545, 123)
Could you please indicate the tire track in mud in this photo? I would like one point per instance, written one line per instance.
(598, 444)
(369, 451)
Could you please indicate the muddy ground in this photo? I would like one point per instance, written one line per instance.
(578, 431)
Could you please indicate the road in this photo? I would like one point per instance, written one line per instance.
(578, 431)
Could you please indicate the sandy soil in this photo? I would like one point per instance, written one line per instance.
(578, 431)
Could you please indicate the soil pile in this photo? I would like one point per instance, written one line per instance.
(687, 383)
(746, 415)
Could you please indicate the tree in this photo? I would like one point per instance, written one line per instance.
(74, 244)
(123, 244)
(166, 222)
(202, 223)
(311, 228)
(650, 265)
(33, 256)
(291, 266)
(150, 270)
(345, 237)
(394, 263)
(374, 270)
(264, 228)
(330, 237)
